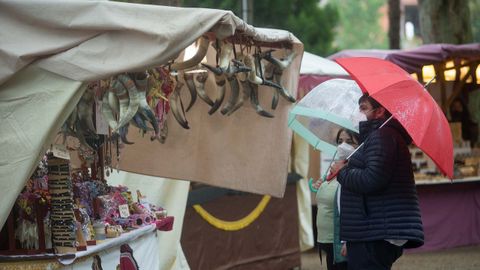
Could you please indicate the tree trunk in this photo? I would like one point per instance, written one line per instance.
(394, 24)
(445, 21)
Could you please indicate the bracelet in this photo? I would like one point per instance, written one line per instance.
(64, 223)
(62, 208)
(64, 235)
(60, 186)
(62, 217)
(62, 167)
(66, 244)
(62, 203)
(63, 181)
(63, 194)
(57, 231)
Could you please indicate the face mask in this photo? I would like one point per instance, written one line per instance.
(344, 150)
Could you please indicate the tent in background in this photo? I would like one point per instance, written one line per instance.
(448, 61)
(315, 70)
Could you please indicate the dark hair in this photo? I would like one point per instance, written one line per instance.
(353, 135)
(375, 104)
(462, 103)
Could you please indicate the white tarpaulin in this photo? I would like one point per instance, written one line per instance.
(48, 48)
(314, 64)
(88, 40)
(171, 195)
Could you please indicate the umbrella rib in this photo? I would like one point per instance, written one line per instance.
(317, 113)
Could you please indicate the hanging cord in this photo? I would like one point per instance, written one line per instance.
(217, 48)
(258, 62)
(181, 102)
(234, 50)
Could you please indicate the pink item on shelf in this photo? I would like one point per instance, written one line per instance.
(165, 224)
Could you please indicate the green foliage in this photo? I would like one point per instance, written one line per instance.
(359, 26)
(309, 22)
(233, 5)
(474, 15)
(316, 28)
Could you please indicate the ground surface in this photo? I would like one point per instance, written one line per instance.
(462, 258)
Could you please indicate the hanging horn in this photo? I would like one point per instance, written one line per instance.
(196, 59)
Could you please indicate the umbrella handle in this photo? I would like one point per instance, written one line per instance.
(333, 175)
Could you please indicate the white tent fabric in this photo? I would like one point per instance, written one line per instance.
(33, 105)
(88, 40)
(317, 65)
(300, 165)
(48, 48)
(169, 194)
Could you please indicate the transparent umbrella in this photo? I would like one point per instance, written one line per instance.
(326, 109)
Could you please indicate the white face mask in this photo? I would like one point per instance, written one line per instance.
(344, 150)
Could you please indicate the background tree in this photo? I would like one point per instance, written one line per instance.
(359, 25)
(394, 24)
(313, 24)
(474, 13)
(445, 21)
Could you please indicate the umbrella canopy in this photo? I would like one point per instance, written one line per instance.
(409, 103)
(330, 106)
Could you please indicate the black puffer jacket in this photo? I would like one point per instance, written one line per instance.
(379, 199)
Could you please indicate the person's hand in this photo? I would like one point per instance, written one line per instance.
(344, 250)
(337, 166)
(317, 184)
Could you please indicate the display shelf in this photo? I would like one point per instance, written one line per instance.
(110, 243)
(66, 259)
(441, 181)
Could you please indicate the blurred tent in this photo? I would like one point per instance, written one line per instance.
(315, 70)
(450, 63)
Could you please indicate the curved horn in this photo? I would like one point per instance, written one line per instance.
(173, 101)
(128, 103)
(197, 58)
(220, 82)
(191, 88)
(283, 63)
(226, 50)
(234, 97)
(107, 112)
(199, 81)
(255, 102)
(141, 80)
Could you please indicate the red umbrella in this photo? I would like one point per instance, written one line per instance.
(409, 103)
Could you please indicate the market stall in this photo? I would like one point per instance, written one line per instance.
(450, 211)
(97, 40)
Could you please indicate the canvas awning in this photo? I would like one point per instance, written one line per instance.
(49, 49)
